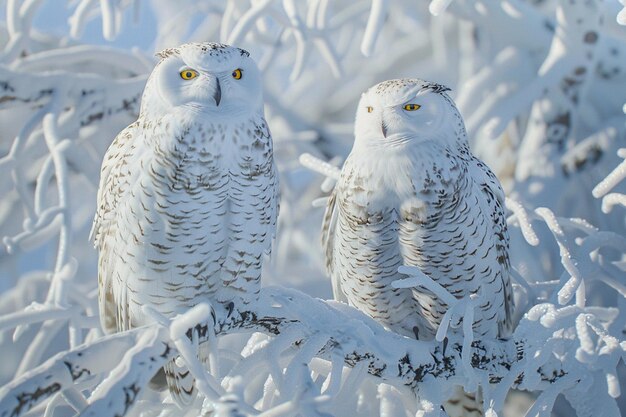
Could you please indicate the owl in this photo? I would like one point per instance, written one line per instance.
(411, 193)
(188, 195)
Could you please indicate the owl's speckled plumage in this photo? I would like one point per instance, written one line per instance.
(188, 195)
(411, 193)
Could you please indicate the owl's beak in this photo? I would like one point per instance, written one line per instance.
(217, 95)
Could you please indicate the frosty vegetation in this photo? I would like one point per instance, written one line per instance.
(542, 87)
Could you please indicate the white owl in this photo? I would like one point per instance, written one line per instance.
(188, 194)
(411, 193)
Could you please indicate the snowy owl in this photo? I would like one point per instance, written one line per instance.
(188, 195)
(411, 193)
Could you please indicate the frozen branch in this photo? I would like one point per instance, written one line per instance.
(338, 331)
(375, 22)
(318, 165)
(614, 178)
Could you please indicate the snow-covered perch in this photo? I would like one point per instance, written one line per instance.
(337, 331)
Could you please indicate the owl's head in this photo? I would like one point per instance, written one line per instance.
(204, 77)
(408, 111)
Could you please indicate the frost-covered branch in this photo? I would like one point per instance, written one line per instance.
(615, 177)
(296, 320)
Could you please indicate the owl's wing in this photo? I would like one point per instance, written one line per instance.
(274, 208)
(328, 235)
(114, 183)
(494, 195)
(113, 174)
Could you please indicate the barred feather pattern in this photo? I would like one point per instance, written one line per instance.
(424, 203)
(186, 210)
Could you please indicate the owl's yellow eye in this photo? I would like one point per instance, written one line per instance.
(237, 74)
(370, 109)
(411, 107)
(188, 74)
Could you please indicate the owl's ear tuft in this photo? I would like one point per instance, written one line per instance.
(167, 53)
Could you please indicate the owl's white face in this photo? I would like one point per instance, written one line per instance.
(204, 78)
(406, 112)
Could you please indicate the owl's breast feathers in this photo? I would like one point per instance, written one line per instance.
(189, 152)
(185, 212)
(435, 212)
(415, 189)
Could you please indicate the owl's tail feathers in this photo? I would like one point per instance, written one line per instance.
(181, 384)
(463, 404)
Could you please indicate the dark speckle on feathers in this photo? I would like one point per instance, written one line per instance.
(210, 48)
(393, 86)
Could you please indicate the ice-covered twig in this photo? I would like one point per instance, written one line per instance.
(436, 7)
(523, 220)
(569, 285)
(455, 307)
(621, 16)
(496, 79)
(318, 165)
(611, 200)
(110, 11)
(378, 12)
(205, 382)
(417, 278)
(607, 184)
(245, 22)
(587, 152)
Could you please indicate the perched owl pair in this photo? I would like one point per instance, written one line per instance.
(188, 201)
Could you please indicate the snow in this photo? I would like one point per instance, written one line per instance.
(542, 87)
